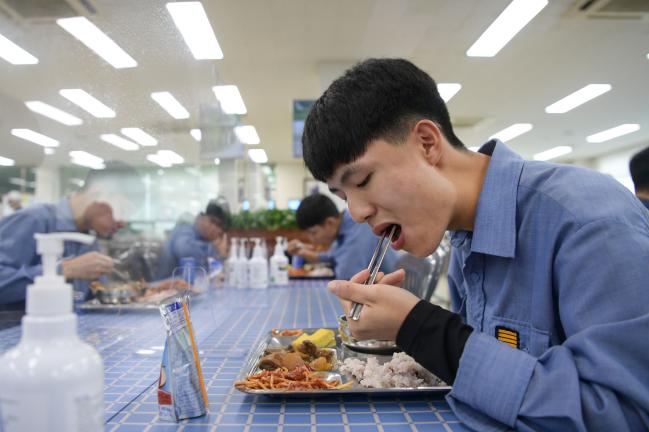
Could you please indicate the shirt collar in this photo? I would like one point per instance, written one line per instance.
(494, 231)
(64, 217)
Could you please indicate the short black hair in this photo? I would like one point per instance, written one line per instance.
(215, 210)
(377, 98)
(639, 167)
(314, 210)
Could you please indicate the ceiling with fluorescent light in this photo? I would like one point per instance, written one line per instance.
(279, 50)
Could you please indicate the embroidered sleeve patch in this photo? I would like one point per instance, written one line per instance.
(508, 336)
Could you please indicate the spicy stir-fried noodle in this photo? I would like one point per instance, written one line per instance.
(302, 378)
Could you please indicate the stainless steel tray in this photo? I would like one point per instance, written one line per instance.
(342, 352)
(95, 304)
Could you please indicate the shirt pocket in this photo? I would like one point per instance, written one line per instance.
(520, 334)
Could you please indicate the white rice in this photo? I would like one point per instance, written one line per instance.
(402, 371)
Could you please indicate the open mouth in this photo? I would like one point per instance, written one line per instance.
(397, 231)
(398, 239)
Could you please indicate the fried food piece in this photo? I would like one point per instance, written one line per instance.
(277, 360)
(321, 364)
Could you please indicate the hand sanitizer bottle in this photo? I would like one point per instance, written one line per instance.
(230, 264)
(278, 265)
(51, 381)
(258, 267)
(242, 265)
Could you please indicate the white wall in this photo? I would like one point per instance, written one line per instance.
(48, 184)
(289, 182)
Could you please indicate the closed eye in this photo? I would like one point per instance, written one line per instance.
(365, 181)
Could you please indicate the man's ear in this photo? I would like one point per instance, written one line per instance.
(330, 221)
(428, 138)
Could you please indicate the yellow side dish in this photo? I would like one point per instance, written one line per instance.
(322, 338)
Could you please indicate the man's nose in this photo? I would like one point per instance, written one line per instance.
(360, 210)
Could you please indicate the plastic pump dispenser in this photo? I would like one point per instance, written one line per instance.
(278, 265)
(258, 267)
(51, 381)
(241, 267)
(230, 265)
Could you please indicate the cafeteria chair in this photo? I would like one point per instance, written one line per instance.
(423, 274)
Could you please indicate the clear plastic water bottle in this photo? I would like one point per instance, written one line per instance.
(188, 265)
(297, 261)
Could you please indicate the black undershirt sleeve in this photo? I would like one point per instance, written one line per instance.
(435, 338)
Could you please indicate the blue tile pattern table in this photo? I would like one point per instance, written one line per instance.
(228, 324)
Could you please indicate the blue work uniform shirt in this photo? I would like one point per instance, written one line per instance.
(184, 241)
(352, 250)
(645, 202)
(19, 261)
(557, 269)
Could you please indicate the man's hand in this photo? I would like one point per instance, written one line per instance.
(385, 305)
(306, 251)
(90, 265)
(221, 245)
(294, 247)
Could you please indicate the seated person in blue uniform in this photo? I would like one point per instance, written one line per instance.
(639, 167)
(107, 196)
(350, 244)
(201, 239)
(549, 275)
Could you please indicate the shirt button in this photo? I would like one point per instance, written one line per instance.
(475, 277)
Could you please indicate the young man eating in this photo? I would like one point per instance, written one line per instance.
(549, 273)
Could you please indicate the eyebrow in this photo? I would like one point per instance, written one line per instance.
(344, 178)
(346, 174)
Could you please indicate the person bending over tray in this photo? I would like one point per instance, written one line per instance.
(549, 272)
(351, 244)
(106, 199)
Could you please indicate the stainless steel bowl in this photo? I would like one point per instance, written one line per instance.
(370, 346)
(117, 295)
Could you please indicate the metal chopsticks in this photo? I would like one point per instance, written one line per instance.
(375, 264)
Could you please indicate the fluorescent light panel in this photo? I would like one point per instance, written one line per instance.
(35, 137)
(53, 113)
(505, 27)
(217, 161)
(90, 35)
(79, 157)
(247, 134)
(512, 131)
(15, 54)
(165, 158)
(8, 162)
(120, 142)
(196, 134)
(139, 136)
(171, 156)
(258, 155)
(448, 90)
(48, 151)
(581, 96)
(156, 159)
(230, 99)
(552, 153)
(87, 102)
(192, 23)
(170, 104)
(615, 132)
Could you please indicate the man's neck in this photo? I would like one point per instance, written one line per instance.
(642, 194)
(78, 204)
(468, 172)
